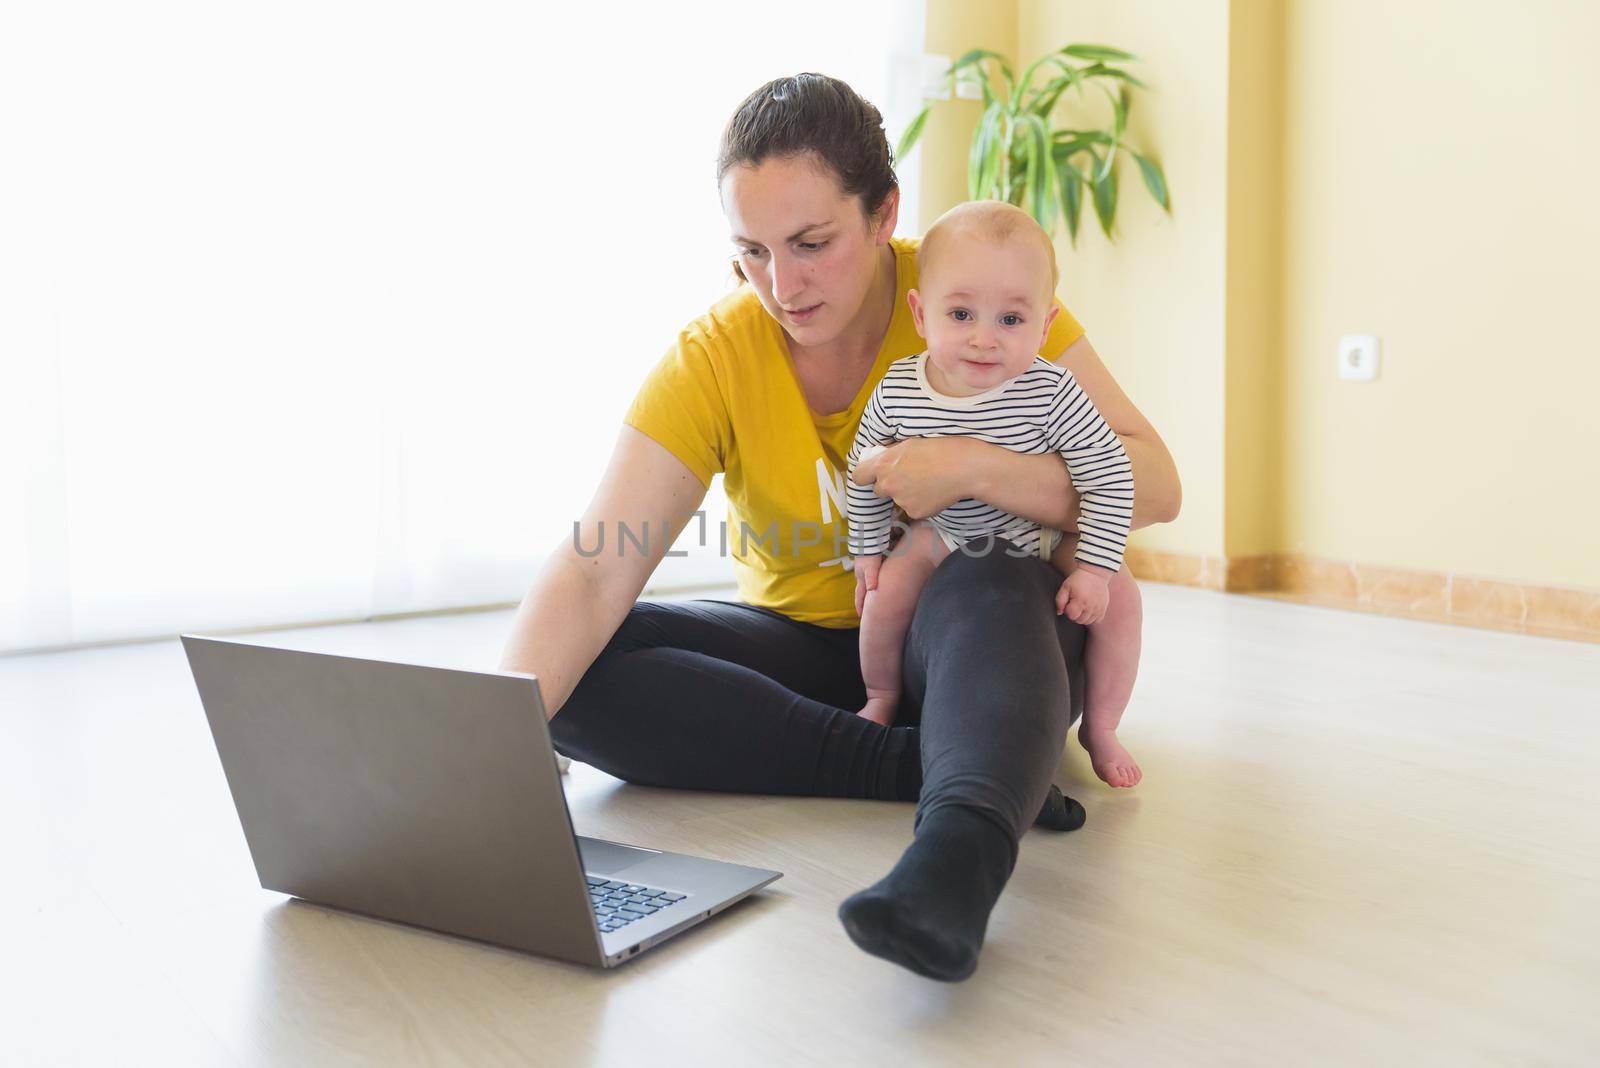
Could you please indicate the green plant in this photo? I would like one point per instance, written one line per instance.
(1020, 157)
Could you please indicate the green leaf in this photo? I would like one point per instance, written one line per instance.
(1063, 162)
(1040, 171)
(999, 150)
(1119, 110)
(975, 59)
(1091, 51)
(1007, 131)
(1071, 198)
(1049, 206)
(1101, 173)
(1027, 75)
(1105, 201)
(1045, 101)
(1100, 70)
(914, 131)
(1068, 148)
(1067, 69)
(972, 56)
(983, 158)
(1094, 137)
(1075, 73)
(1154, 180)
(978, 153)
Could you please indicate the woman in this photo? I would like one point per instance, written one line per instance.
(768, 387)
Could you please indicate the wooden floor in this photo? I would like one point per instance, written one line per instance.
(1358, 841)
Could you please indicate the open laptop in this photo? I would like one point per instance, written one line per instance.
(430, 796)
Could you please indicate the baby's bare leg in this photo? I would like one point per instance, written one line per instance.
(1111, 661)
(1110, 664)
(886, 616)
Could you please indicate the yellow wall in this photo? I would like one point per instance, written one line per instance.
(1253, 266)
(1440, 163)
(1154, 303)
(1420, 171)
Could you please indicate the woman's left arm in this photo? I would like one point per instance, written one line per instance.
(927, 475)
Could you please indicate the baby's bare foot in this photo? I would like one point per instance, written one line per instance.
(880, 710)
(1114, 764)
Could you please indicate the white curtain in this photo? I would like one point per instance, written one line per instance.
(319, 311)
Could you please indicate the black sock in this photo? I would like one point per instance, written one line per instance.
(930, 913)
(1060, 812)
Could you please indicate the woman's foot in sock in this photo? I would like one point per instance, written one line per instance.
(1114, 764)
(1060, 812)
(930, 913)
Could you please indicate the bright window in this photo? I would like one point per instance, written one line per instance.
(320, 311)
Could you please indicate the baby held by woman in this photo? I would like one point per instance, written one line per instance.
(984, 302)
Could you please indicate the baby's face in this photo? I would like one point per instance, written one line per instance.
(983, 307)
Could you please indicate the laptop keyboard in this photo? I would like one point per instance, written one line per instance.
(617, 904)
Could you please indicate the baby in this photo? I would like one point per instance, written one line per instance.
(987, 276)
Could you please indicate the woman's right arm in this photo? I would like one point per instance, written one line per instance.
(577, 602)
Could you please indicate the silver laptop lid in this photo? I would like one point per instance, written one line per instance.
(419, 794)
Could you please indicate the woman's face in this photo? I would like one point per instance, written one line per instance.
(806, 247)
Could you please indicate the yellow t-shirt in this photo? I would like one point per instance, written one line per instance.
(725, 398)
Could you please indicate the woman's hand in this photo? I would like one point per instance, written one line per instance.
(924, 476)
(867, 568)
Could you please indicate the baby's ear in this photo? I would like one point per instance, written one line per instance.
(1049, 320)
(914, 299)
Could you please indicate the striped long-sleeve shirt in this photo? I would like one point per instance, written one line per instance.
(1041, 410)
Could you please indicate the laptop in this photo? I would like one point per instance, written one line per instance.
(430, 796)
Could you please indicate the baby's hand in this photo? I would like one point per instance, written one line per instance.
(1083, 597)
(867, 568)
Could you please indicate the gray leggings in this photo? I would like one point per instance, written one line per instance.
(714, 695)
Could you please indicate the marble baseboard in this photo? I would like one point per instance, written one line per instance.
(1179, 569)
(1437, 596)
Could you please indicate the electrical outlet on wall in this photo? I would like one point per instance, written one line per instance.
(1358, 357)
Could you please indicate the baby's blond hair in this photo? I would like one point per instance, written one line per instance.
(993, 220)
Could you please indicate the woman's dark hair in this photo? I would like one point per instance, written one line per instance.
(818, 115)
